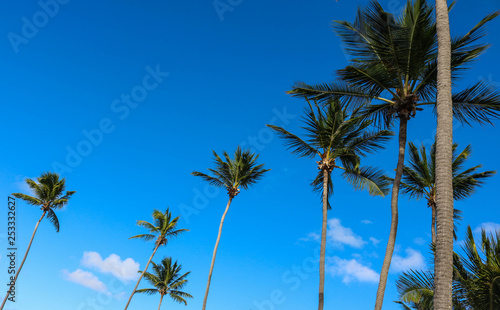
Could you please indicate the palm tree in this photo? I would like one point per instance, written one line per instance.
(477, 273)
(49, 196)
(339, 142)
(163, 228)
(419, 178)
(231, 174)
(416, 290)
(444, 142)
(167, 280)
(393, 73)
(476, 278)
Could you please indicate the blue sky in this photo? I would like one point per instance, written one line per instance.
(127, 98)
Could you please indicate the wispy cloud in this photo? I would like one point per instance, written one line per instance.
(339, 235)
(413, 260)
(419, 241)
(87, 279)
(125, 270)
(375, 241)
(311, 237)
(350, 270)
(120, 296)
(22, 186)
(366, 222)
(489, 227)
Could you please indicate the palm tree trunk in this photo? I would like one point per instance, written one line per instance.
(215, 253)
(443, 265)
(161, 298)
(403, 124)
(142, 274)
(24, 258)
(433, 228)
(323, 242)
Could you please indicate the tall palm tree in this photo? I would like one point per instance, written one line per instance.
(419, 178)
(444, 141)
(476, 278)
(162, 229)
(339, 142)
(49, 196)
(231, 174)
(167, 280)
(393, 73)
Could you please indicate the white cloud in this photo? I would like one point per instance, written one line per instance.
(125, 270)
(86, 279)
(350, 270)
(419, 241)
(339, 235)
(23, 187)
(366, 222)
(413, 260)
(375, 241)
(120, 296)
(489, 227)
(311, 236)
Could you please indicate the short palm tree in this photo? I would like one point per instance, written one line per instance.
(49, 196)
(477, 273)
(393, 73)
(231, 174)
(476, 278)
(419, 178)
(162, 229)
(339, 142)
(167, 280)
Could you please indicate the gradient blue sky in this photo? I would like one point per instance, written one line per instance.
(220, 77)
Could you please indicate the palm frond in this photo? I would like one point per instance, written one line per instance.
(296, 144)
(323, 93)
(368, 178)
(417, 288)
(318, 187)
(148, 225)
(211, 180)
(369, 142)
(478, 103)
(29, 199)
(149, 291)
(145, 237)
(52, 217)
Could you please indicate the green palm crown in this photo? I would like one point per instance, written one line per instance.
(48, 195)
(339, 140)
(167, 280)
(242, 171)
